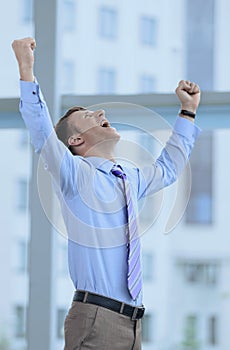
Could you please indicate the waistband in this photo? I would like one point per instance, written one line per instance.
(135, 313)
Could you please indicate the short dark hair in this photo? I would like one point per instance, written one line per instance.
(63, 128)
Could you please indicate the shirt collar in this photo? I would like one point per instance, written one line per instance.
(102, 164)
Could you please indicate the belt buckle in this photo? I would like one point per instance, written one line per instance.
(134, 315)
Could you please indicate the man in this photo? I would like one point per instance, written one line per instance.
(99, 204)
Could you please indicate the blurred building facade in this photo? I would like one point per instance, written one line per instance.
(128, 48)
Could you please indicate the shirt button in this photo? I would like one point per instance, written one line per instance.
(34, 92)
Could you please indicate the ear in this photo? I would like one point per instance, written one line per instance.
(75, 140)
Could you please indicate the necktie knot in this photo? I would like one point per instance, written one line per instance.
(118, 171)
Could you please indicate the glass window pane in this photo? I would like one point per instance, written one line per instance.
(27, 11)
(20, 321)
(199, 210)
(22, 193)
(106, 81)
(69, 15)
(191, 332)
(61, 314)
(68, 74)
(107, 23)
(148, 30)
(212, 330)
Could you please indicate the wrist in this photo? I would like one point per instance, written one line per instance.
(188, 108)
(184, 113)
(26, 73)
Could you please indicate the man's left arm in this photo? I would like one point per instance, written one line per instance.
(175, 155)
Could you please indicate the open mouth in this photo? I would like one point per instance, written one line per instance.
(105, 124)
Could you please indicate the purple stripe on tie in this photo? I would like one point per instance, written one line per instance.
(133, 230)
(134, 244)
(136, 288)
(133, 248)
(132, 275)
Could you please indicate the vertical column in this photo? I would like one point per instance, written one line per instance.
(199, 41)
(41, 312)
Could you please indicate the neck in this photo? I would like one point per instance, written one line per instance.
(105, 152)
(104, 149)
(104, 155)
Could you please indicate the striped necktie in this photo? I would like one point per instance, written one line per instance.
(134, 278)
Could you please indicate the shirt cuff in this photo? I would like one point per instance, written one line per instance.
(30, 92)
(186, 128)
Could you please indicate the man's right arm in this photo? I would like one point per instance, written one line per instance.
(57, 159)
(33, 107)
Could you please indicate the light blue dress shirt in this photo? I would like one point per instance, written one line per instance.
(92, 198)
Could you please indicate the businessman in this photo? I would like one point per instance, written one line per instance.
(99, 202)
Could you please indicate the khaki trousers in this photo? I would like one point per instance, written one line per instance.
(90, 326)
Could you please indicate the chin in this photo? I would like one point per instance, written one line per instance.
(116, 137)
(116, 134)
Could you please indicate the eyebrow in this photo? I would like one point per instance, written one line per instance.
(86, 113)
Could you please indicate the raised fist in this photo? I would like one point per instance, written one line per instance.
(24, 52)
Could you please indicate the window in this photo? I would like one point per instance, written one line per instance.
(190, 332)
(68, 76)
(106, 81)
(147, 266)
(147, 328)
(193, 272)
(211, 274)
(69, 13)
(108, 23)
(22, 201)
(199, 209)
(204, 273)
(4, 342)
(62, 265)
(212, 330)
(27, 11)
(22, 256)
(148, 31)
(61, 314)
(147, 84)
(20, 321)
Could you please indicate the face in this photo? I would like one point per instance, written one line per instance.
(94, 127)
